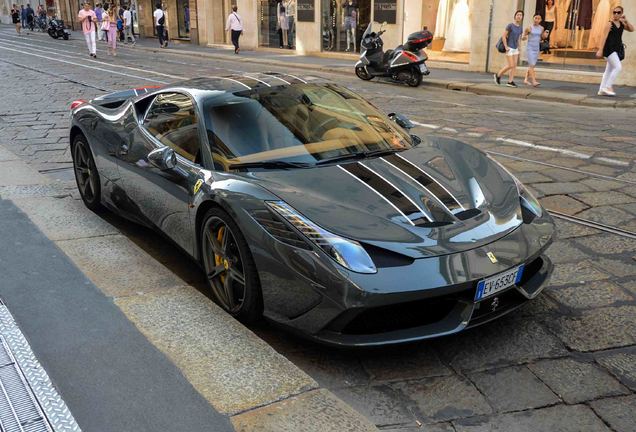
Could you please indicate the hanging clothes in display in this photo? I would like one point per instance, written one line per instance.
(561, 35)
(582, 17)
(540, 9)
(458, 35)
(442, 17)
(602, 15)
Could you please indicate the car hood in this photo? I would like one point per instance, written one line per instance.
(440, 197)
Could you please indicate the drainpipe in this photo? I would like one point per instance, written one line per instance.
(490, 13)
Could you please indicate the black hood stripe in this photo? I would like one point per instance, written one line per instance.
(428, 182)
(396, 198)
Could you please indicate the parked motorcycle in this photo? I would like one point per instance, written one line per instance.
(41, 24)
(57, 30)
(406, 63)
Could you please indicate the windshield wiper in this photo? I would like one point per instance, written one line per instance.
(359, 155)
(271, 164)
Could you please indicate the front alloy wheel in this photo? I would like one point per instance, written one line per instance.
(229, 267)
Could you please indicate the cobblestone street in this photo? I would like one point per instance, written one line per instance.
(565, 362)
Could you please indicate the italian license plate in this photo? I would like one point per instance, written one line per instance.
(497, 283)
(423, 68)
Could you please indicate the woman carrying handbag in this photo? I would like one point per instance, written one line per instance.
(613, 50)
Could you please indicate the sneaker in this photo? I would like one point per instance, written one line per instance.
(511, 84)
(497, 79)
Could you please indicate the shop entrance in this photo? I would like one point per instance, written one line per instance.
(273, 16)
(576, 31)
(219, 13)
(343, 23)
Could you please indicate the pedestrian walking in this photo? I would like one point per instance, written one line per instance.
(23, 16)
(283, 27)
(128, 33)
(98, 13)
(87, 19)
(510, 39)
(613, 50)
(15, 17)
(235, 25)
(160, 21)
(110, 23)
(533, 34)
(120, 22)
(30, 13)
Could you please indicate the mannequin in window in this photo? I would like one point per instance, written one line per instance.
(349, 22)
(579, 20)
(289, 7)
(458, 34)
(602, 16)
(440, 22)
(560, 33)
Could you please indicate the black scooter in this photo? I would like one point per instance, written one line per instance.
(406, 63)
(57, 30)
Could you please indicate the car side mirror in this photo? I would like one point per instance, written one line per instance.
(163, 158)
(402, 120)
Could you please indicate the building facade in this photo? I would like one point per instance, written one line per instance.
(465, 30)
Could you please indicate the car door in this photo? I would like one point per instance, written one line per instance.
(162, 197)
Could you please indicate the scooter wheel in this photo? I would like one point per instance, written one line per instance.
(416, 78)
(65, 37)
(363, 74)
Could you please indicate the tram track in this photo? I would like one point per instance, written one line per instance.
(591, 224)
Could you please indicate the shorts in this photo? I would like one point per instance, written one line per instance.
(512, 52)
(349, 23)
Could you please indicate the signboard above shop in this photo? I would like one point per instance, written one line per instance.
(385, 10)
(306, 10)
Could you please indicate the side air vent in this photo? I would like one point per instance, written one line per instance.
(279, 229)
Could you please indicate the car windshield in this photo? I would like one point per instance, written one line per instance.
(300, 124)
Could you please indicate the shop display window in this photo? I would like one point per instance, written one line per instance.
(274, 16)
(343, 23)
(576, 31)
(449, 21)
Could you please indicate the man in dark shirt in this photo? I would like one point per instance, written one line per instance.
(30, 15)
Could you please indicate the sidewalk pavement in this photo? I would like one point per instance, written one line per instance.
(473, 82)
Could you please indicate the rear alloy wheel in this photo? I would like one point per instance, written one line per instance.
(230, 268)
(362, 73)
(416, 77)
(86, 174)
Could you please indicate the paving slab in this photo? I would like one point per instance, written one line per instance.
(64, 219)
(314, 411)
(621, 364)
(567, 230)
(563, 204)
(560, 418)
(600, 329)
(576, 381)
(118, 266)
(331, 369)
(619, 413)
(444, 398)
(381, 404)
(227, 363)
(14, 173)
(513, 389)
(608, 243)
(404, 362)
(580, 272)
(6, 155)
(590, 295)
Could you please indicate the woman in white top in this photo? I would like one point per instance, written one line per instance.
(549, 23)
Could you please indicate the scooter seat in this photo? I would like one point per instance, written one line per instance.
(388, 55)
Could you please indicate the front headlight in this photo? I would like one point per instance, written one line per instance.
(528, 201)
(348, 253)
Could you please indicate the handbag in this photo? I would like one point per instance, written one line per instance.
(105, 25)
(621, 52)
(500, 46)
(544, 46)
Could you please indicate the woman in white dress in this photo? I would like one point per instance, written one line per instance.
(602, 16)
(440, 22)
(458, 35)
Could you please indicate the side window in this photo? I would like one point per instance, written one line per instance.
(172, 120)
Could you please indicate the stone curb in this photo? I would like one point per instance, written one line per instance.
(237, 372)
(476, 88)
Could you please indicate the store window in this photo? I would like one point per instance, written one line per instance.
(576, 31)
(183, 16)
(343, 23)
(449, 21)
(277, 23)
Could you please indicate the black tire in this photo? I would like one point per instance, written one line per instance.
(65, 37)
(229, 267)
(86, 174)
(363, 74)
(416, 77)
(54, 36)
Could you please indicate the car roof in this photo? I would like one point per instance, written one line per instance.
(241, 82)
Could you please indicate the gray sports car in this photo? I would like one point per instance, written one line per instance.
(305, 204)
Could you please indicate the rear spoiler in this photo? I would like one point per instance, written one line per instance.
(113, 100)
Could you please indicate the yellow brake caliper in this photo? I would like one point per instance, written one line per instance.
(218, 260)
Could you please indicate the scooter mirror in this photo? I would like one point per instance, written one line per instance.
(402, 121)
